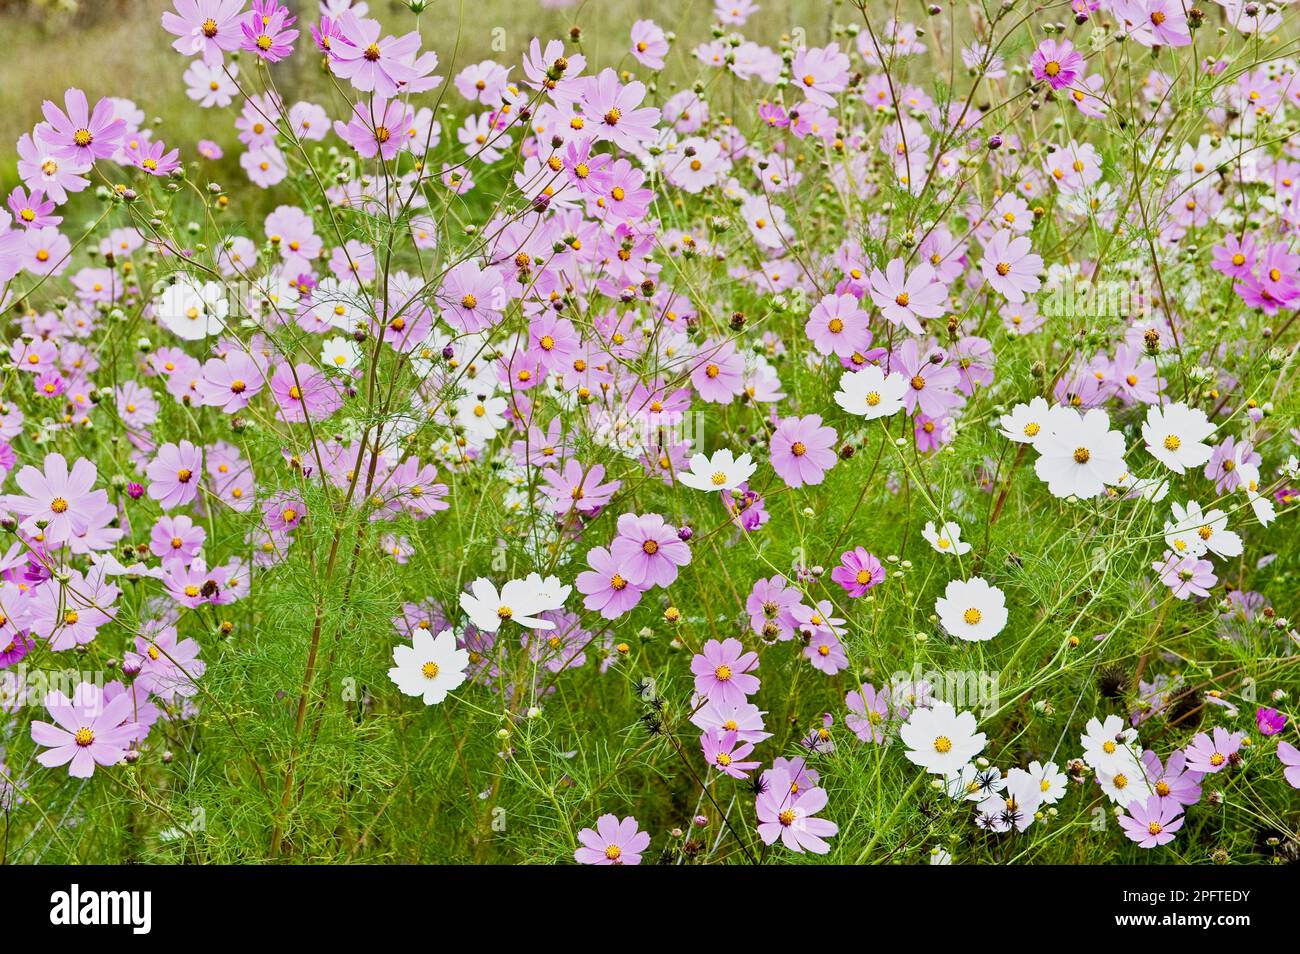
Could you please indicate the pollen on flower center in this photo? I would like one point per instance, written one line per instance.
(1155, 828)
(84, 736)
(918, 382)
(372, 52)
(943, 745)
(59, 505)
(798, 448)
(972, 616)
(382, 134)
(722, 673)
(430, 670)
(1108, 747)
(613, 852)
(836, 325)
(1162, 788)
(1082, 455)
(1217, 759)
(1032, 429)
(719, 479)
(83, 138)
(863, 577)
(1052, 68)
(1003, 268)
(902, 299)
(786, 817)
(722, 759)
(613, 116)
(1173, 442)
(650, 547)
(873, 398)
(70, 618)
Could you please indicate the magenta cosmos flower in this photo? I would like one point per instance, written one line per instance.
(1211, 752)
(1269, 721)
(206, 28)
(604, 587)
(722, 672)
(613, 842)
(649, 550)
(268, 35)
(89, 732)
(1153, 823)
(801, 450)
(723, 751)
(905, 298)
(785, 810)
(1011, 266)
(1056, 63)
(174, 474)
(859, 571)
(61, 500)
(82, 136)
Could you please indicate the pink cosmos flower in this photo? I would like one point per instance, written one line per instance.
(718, 372)
(801, 450)
(301, 392)
(1172, 780)
(613, 842)
(577, 488)
(376, 128)
(70, 613)
(176, 537)
(769, 605)
(1152, 823)
(604, 587)
(62, 501)
(1010, 265)
(615, 110)
(369, 63)
(649, 44)
(206, 28)
(837, 325)
(174, 474)
(858, 572)
(164, 666)
(40, 167)
(785, 810)
(1289, 756)
(931, 384)
(88, 732)
(1213, 752)
(1056, 63)
(724, 752)
(905, 298)
(826, 653)
(649, 550)
(869, 713)
(472, 298)
(80, 135)
(1185, 575)
(820, 72)
(722, 672)
(229, 383)
(33, 210)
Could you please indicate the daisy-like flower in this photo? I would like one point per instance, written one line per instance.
(1126, 782)
(1212, 752)
(972, 610)
(870, 393)
(722, 672)
(1289, 756)
(519, 601)
(430, 667)
(612, 842)
(1172, 780)
(724, 752)
(604, 587)
(61, 501)
(82, 136)
(1185, 575)
(1011, 266)
(906, 298)
(1107, 746)
(745, 719)
(205, 28)
(946, 538)
(1080, 454)
(858, 572)
(649, 550)
(941, 740)
(175, 474)
(869, 714)
(88, 730)
(837, 325)
(1175, 436)
(1051, 781)
(722, 471)
(1152, 822)
(785, 810)
(1056, 63)
(802, 450)
(1194, 532)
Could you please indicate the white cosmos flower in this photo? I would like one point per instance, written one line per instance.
(341, 353)
(1175, 436)
(1125, 782)
(1026, 422)
(945, 539)
(430, 667)
(871, 393)
(1051, 781)
(1193, 532)
(193, 312)
(520, 601)
(1260, 503)
(722, 471)
(481, 416)
(1107, 746)
(972, 610)
(1080, 454)
(941, 740)
(973, 783)
(1015, 807)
